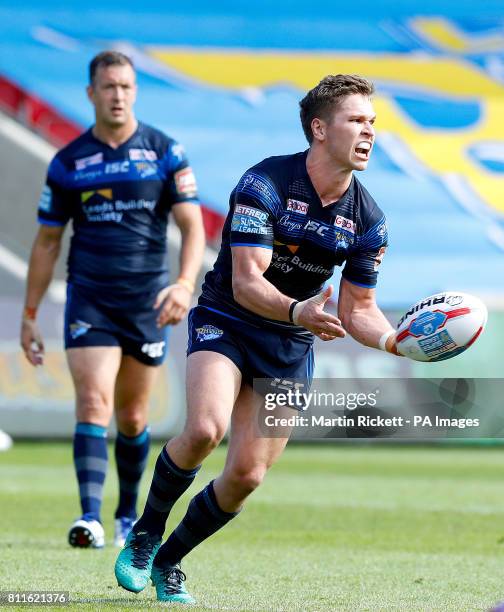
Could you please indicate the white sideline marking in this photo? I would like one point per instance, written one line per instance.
(44, 151)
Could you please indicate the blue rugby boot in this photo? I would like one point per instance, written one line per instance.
(169, 583)
(134, 563)
(122, 526)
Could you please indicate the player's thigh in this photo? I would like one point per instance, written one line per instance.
(212, 386)
(250, 452)
(94, 370)
(134, 384)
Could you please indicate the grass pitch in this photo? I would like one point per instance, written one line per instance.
(332, 528)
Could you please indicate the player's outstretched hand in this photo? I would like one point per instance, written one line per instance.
(173, 302)
(311, 315)
(31, 341)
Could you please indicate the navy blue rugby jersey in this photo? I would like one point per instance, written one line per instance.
(275, 206)
(119, 201)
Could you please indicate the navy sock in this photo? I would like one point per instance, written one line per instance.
(90, 460)
(131, 458)
(168, 484)
(203, 518)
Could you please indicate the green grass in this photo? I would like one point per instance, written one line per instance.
(332, 528)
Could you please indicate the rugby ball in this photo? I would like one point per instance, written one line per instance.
(440, 326)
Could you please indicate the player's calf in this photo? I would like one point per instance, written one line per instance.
(236, 483)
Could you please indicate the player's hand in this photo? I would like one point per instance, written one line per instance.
(31, 341)
(173, 302)
(310, 314)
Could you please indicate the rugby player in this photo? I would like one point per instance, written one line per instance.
(291, 220)
(118, 183)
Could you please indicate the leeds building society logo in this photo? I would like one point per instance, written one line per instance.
(87, 195)
(208, 332)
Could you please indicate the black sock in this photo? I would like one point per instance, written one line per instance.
(203, 518)
(168, 484)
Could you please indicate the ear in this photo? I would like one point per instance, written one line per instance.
(318, 127)
(90, 93)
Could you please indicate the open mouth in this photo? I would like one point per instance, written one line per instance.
(363, 149)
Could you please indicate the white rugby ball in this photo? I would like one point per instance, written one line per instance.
(441, 326)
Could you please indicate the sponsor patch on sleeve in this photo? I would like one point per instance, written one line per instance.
(45, 199)
(185, 183)
(249, 220)
(254, 183)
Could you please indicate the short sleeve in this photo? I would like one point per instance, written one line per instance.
(54, 204)
(180, 179)
(255, 203)
(362, 265)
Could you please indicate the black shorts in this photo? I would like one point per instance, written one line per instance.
(256, 351)
(91, 321)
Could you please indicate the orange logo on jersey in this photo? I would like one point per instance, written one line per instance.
(106, 193)
(292, 247)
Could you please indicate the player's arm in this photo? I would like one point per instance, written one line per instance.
(362, 318)
(45, 250)
(252, 291)
(176, 298)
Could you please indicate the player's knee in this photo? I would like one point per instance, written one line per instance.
(131, 420)
(92, 406)
(245, 479)
(205, 437)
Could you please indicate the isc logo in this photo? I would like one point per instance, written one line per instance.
(117, 167)
(153, 349)
(314, 226)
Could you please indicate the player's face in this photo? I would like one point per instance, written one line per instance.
(113, 94)
(350, 133)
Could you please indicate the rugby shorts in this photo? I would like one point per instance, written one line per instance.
(94, 319)
(258, 352)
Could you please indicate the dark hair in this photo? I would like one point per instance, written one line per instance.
(105, 59)
(326, 96)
